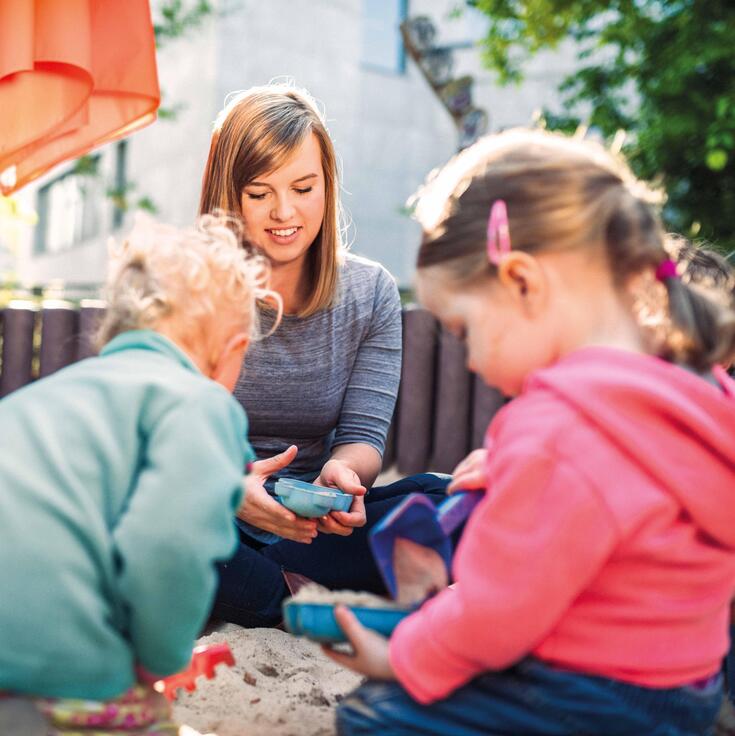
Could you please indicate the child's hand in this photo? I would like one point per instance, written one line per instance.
(263, 512)
(470, 473)
(336, 474)
(371, 649)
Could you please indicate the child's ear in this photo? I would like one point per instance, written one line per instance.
(522, 274)
(226, 368)
(237, 343)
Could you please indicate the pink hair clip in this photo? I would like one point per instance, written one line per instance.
(498, 232)
(666, 270)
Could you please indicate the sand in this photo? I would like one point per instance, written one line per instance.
(313, 593)
(280, 686)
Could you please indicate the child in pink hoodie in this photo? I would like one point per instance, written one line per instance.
(593, 582)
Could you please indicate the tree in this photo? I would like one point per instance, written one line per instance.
(663, 71)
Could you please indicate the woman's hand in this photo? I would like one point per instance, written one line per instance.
(337, 474)
(470, 474)
(263, 512)
(371, 649)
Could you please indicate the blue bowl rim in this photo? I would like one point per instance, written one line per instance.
(360, 609)
(310, 488)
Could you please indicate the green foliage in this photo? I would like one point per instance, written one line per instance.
(176, 18)
(87, 165)
(119, 195)
(171, 113)
(662, 70)
(147, 205)
(121, 198)
(14, 220)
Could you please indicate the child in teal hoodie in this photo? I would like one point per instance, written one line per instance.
(120, 476)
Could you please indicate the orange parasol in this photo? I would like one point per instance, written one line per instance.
(74, 74)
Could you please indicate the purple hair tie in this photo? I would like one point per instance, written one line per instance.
(666, 270)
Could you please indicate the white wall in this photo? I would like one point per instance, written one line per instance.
(389, 129)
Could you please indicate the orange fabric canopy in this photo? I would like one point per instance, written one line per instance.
(74, 74)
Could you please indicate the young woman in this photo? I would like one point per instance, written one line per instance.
(320, 391)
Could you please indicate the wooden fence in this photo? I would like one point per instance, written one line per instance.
(441, 413)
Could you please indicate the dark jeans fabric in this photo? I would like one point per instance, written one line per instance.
(536, 700)
(730, 667)
(251, 586)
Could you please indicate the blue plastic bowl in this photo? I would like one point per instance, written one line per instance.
(306, 499)
(316, 621)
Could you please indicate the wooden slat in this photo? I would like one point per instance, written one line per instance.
(59, 321)
(487, 401)
(416, 409)
(389, 454)
(453, 405)
(19, 320)
(91, 313)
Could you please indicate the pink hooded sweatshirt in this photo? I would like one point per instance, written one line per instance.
(606, 541)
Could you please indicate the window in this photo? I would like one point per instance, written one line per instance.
(74, 207)
(382, 45)
(68, 211)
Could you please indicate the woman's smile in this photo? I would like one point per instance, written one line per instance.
(284, 235)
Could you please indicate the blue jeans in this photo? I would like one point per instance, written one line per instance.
(532, 698)
(252, 588)
(730, 667)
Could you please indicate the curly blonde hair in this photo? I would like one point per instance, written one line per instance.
(161, 271)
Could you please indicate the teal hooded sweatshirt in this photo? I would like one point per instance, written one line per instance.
(119, 477)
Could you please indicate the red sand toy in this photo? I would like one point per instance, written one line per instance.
(203, 661)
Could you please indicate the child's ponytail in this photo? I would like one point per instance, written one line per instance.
(703, 331)
(699, 321)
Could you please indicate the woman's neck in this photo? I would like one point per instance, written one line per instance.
(290, 280)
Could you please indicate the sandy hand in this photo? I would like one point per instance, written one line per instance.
(420, 571)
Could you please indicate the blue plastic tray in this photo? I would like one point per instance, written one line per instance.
(316, 621)
(306, 499)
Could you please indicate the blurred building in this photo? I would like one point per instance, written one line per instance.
(389, 128)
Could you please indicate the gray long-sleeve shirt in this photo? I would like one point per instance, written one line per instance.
(328, 379)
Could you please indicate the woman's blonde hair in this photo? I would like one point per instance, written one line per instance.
(565, 193)
(254, 134)
(161, 271)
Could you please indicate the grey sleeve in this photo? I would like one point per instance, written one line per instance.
(371, 393)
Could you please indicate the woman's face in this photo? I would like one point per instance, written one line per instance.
(283, 210)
